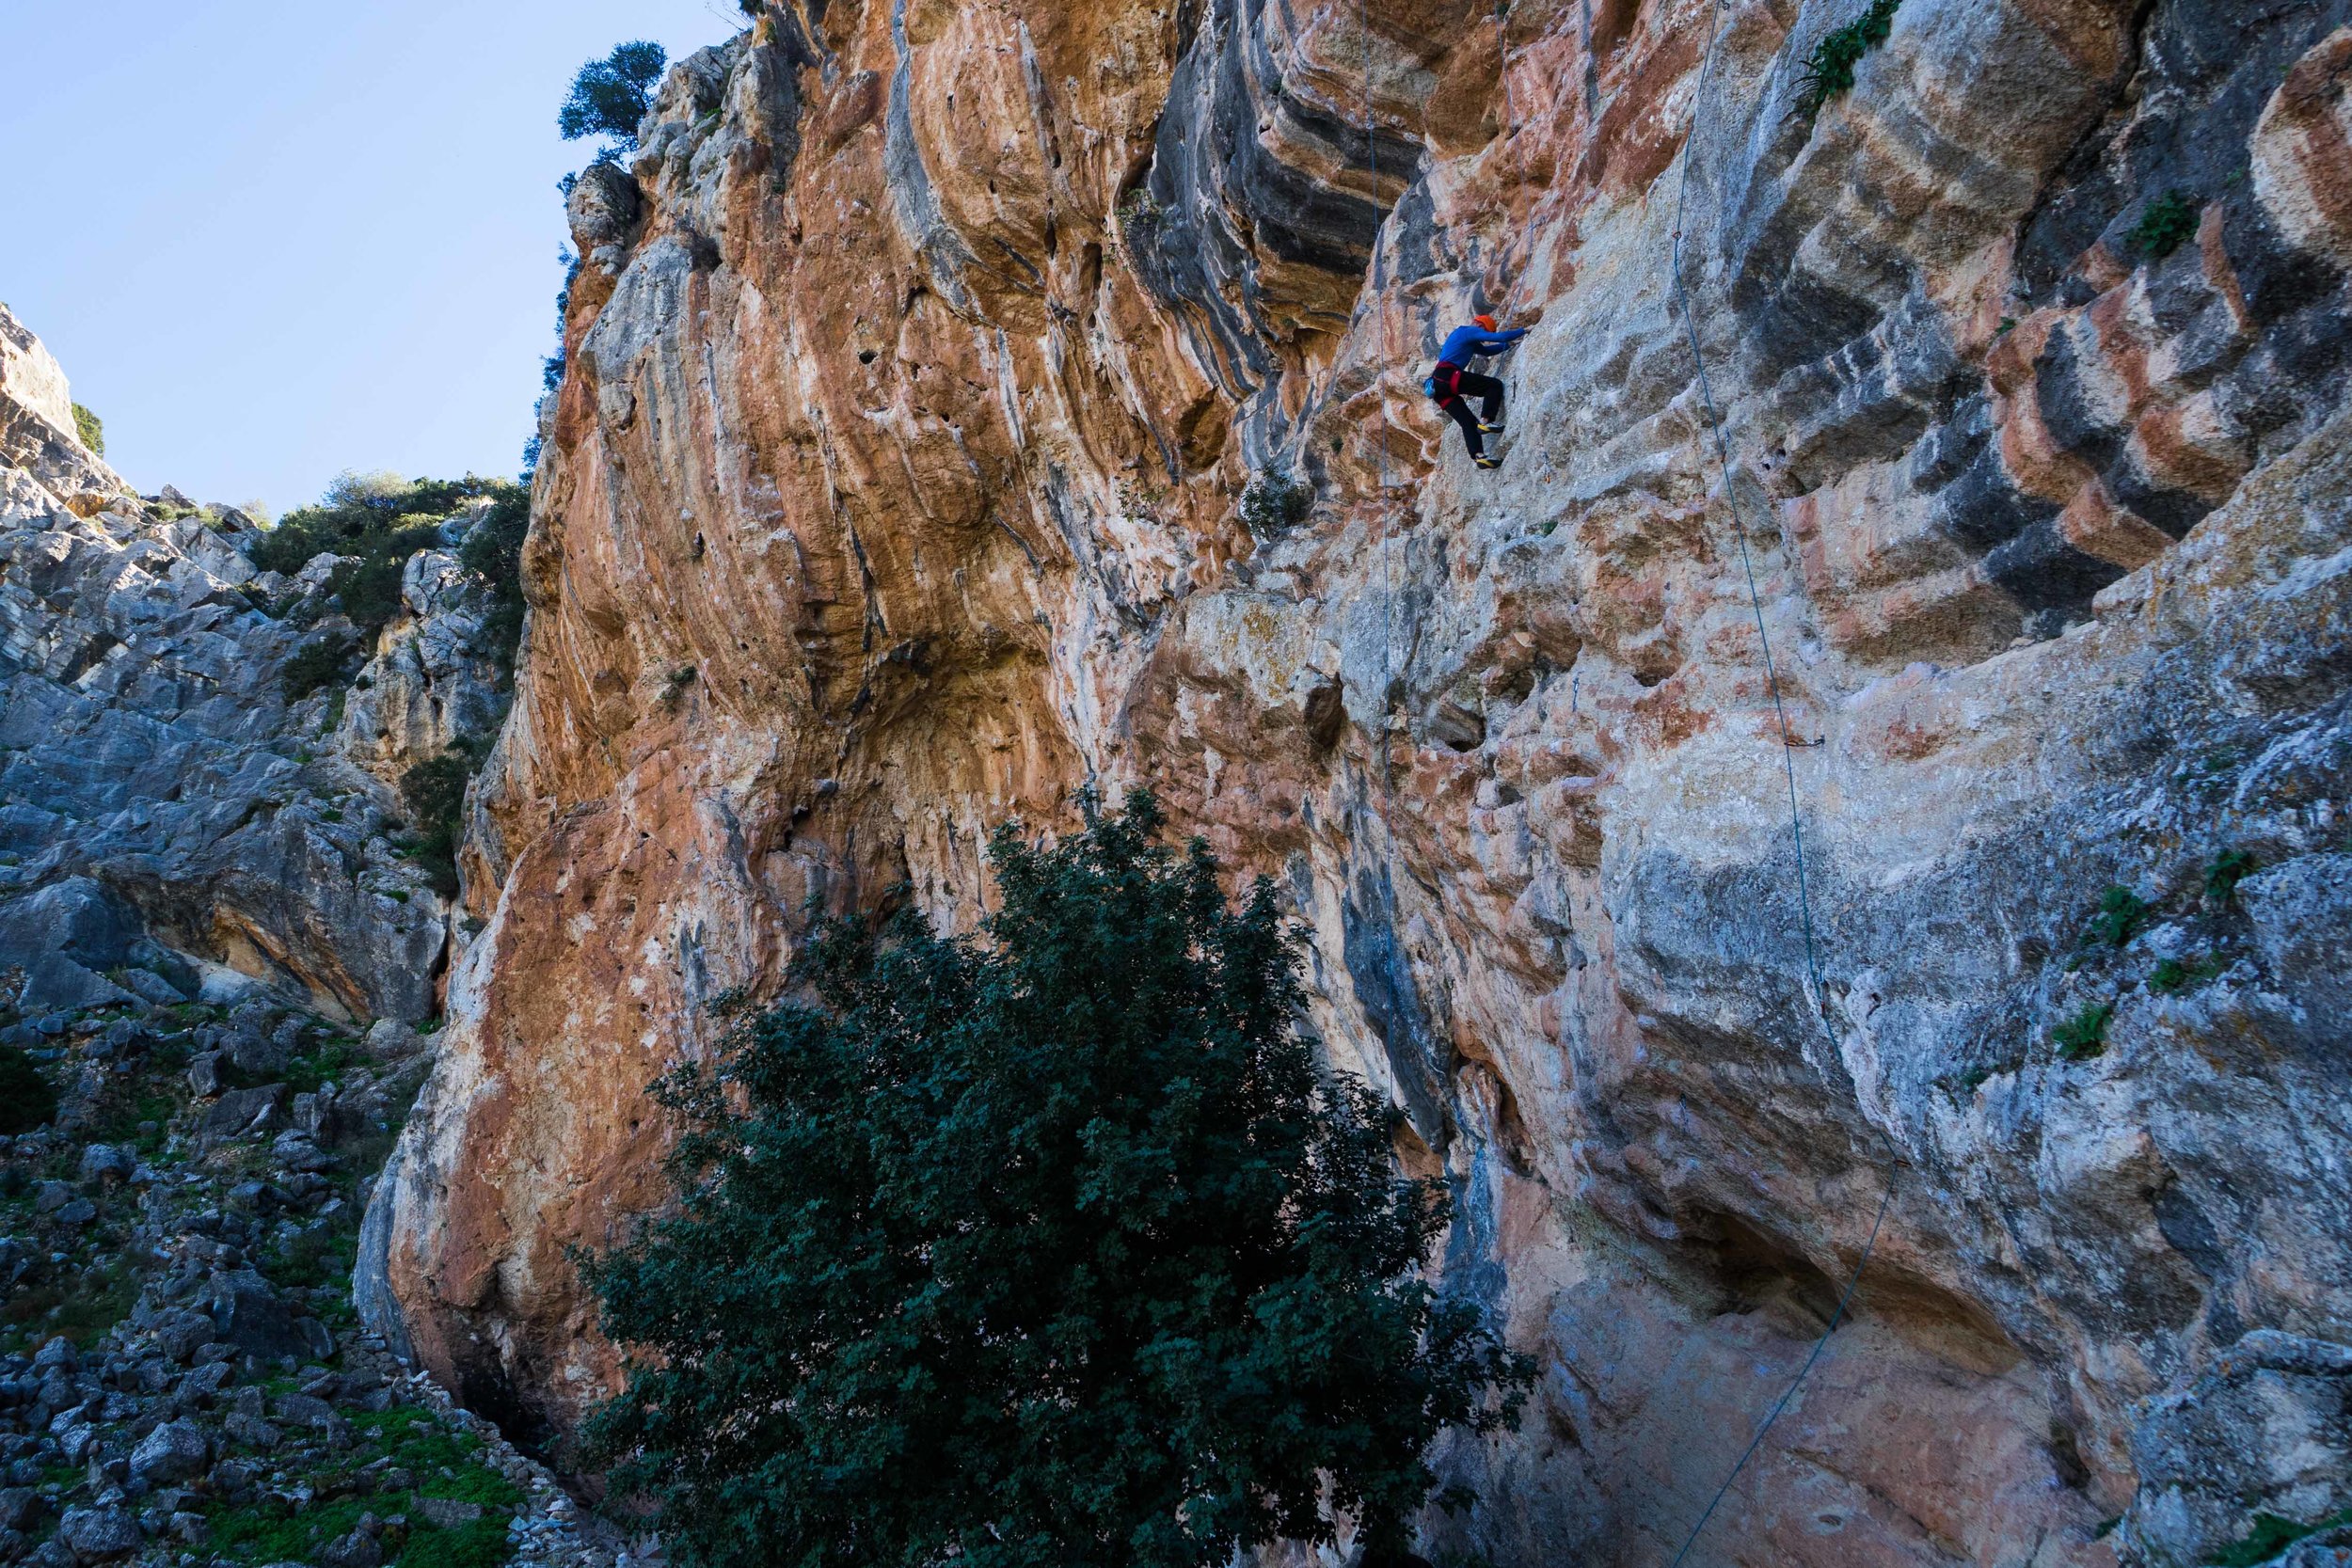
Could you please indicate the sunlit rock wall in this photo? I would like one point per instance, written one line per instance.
(917, 366)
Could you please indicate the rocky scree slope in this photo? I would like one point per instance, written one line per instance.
(199, 796)
(181, 1377)
(919, 366)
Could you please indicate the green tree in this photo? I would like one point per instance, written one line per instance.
(1050, 1247)
(434, 791)
(493, 552)
(91, 429)
(609, 96)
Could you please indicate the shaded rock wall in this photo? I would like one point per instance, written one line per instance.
(915, 372)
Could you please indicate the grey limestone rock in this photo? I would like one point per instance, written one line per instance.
(2263, 1431)
(175, 1452)
(97, 1534)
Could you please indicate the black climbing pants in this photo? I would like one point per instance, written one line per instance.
(1488, 391)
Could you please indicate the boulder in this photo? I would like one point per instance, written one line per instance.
(303, 1410)
(248, 1315)
(103, 1163)
(206, 1076)
(149, 987)
(173, 1452)
(245, 1111)
(251, 1431)
(447, 1512)
(255, 1053)
(356, 1550)
(96, 1534)
(602, 208)
(65, 937)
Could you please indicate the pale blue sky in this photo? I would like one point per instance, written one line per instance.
(271, 241)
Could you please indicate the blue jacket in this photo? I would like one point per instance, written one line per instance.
(1465, 343)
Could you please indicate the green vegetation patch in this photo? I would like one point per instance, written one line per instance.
(1273, 502)
(2272, 1535)
(2228, 869)
(2166, 224)
(379, 521)
(2174, 975)
(2119, 913)
(1830, 68)
(610, 96)
(91, 429)
(2085, 1034)
(446, 1464)
(81, 1305)
(493, 553)
(434, 791)
(419, 1443)
(324, 660)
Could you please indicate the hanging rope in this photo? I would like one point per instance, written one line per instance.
(1511, 133)
(1387, 541)
(1789, 770)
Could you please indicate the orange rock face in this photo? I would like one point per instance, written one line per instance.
(928, 371)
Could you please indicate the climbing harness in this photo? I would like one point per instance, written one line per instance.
(1788, 771)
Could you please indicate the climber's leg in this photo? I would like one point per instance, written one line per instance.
(1458, 410)
(1488, 391)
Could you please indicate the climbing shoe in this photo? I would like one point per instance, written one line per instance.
(1485, 429)
(1487, 462)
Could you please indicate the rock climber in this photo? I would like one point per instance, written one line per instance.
(1452, 383)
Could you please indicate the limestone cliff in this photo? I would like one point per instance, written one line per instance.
(919, 365)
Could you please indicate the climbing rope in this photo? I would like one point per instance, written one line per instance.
(1387, 541)
(1511, 133)
(1788, 769)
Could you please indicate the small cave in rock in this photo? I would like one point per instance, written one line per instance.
(484, 1388)
(1325, 715)
(1459, 726)
(1757, 1273)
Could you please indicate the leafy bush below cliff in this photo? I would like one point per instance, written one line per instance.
(1044, 1248)
(91, 429)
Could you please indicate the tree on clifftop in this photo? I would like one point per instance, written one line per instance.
(610, 96)
(1050, 1247)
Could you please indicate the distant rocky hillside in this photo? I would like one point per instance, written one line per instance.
(200, 761)
(224, 924)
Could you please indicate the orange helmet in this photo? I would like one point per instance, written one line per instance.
(1486, 322)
